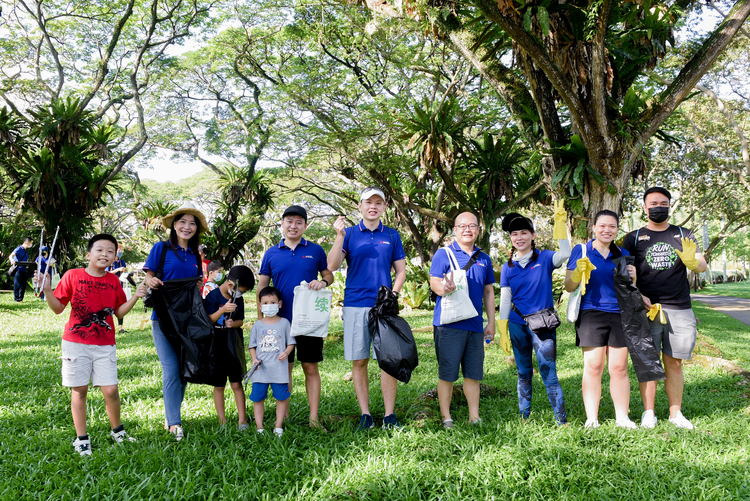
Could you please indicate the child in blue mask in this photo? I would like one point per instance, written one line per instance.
(226, 309)
(270, 346)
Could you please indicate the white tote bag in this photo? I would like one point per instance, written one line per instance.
(574, 301)
(312, 311)
(457, 305)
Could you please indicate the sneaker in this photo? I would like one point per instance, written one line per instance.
(121, 437)
(82, 447)
(626, 423)
(477, 422)
(448, 423)
(261, 431)
(122, 331)
(391, 422)
(591, 423)
(648, 420)
(178, 432)
(681, 421)
(243, 426)
(278, 431)
(365, 423)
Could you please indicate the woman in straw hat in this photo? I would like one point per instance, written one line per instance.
(182, 260)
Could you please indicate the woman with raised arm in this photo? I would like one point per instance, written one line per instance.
(526, 288)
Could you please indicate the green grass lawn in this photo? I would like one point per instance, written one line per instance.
(741, 289)
(502, 459)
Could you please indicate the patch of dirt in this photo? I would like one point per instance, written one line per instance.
(720, 363)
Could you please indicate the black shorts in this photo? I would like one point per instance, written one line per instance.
(310, 349)
(229, 356)
(596, 328)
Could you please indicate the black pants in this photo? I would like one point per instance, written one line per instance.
(19, 284)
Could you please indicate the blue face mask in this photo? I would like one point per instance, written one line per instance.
(119, 254)
(269, 310)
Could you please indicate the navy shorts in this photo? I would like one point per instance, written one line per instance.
(260, 391)
(458, 347)
(595, 328)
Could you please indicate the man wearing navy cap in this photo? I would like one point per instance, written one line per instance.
(287, 264)
(371, 249)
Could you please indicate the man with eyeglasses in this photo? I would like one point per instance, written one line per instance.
(371, 249)
(663, 254)
(462, 343)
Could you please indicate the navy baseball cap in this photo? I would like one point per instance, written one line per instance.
(295, 210)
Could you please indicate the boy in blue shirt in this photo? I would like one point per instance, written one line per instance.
(20, 254)
(371, 250)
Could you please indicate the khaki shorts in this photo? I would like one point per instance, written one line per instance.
(677, 337)
(82, 363)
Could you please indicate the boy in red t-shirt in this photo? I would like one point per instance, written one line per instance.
(88, 343)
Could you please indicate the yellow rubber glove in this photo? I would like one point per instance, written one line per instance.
(687, 255)
(582, 273)
(559, 231)
(503, 336)
(656, 310)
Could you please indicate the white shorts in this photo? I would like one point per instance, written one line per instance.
(82, 363)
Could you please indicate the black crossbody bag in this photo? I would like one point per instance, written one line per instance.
(543, 320)
(474, 257)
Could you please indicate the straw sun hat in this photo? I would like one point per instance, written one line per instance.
(187, 208)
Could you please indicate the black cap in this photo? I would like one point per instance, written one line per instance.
(295, 210)
(515, 222)
(657, 189)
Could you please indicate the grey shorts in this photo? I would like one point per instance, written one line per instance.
(82, 363)
(357, 339)
(677, 337)
(458, 347)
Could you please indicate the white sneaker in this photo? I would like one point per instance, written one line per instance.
(278, 431)
(648, 420)
(591, 423)
(681, 421)
(82, 447)
(121, 437)
(626, 423)
(178, 432)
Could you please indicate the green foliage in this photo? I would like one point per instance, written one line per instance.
(414, 294)
(575, 168)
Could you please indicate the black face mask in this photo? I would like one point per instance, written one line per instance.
(658, 214)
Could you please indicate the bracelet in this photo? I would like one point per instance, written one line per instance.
(326, 281)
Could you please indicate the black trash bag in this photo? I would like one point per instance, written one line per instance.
(228, 355)
(635, 325)
(392, 339)
(185, 324)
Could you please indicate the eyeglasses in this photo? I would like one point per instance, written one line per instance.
(472, 226)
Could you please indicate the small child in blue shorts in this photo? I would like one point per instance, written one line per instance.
(270, 345)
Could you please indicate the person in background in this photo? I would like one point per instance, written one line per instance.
(526, 288)
(215, 272)
(20, 254)
(204, 262)
(599, 328)
(118, 267)
(43, 262)
(371, 250)
(663, 255)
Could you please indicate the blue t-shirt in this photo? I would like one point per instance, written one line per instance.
(120, 263)
(600, 291)
(21, 255)
(42, 264)
(479, 275)
(530, 287)
(215, 300)
(178, 264)
(369, 258)
(287, 268)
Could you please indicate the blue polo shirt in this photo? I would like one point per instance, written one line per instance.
(530, 287)
(181, 263)
(287, 268)
(600, 291)
(215, 300)
(369, 258)
(479, 275)
(21, 255)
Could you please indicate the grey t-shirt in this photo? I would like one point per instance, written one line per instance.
(269, 342)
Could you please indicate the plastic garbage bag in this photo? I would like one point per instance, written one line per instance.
(185, 324)
(392, 339)
(635, 325)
